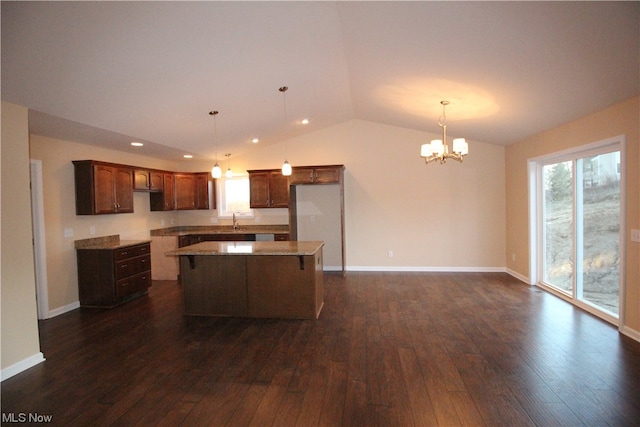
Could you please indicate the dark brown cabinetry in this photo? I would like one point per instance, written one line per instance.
(192, 239)
(192, 190)
(103, 188)
(185, 190)
(107, 277)
(147, 180)
(268, 189)
(165, 199)
(201, 181)
(316, 175)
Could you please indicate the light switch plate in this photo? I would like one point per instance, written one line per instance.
(635, 235)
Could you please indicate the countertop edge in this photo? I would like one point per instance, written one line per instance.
(213, 249)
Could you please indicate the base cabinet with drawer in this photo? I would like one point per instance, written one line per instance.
(110, 276)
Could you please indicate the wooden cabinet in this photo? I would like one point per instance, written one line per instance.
(108, 277)
(192, 191)
(316, 174)
(103, 188)
(164, 200)
(272, 286)
(185, 191)
(148, 180)
(192, 239)
(201, 181)
(268, 189)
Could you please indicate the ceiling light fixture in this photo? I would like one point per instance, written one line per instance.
(188, 156)
(137, 144)
(216, 172)
(438, 149)
(229, 174)
(255, 140)
(286, 167)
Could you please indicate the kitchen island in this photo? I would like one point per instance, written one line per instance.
(252, 279)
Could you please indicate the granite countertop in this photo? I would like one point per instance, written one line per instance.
(107, 242)
(186, 230)
(250, 248)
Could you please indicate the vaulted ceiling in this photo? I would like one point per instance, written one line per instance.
(112, 72)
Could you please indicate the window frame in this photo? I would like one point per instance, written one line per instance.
(221, 192)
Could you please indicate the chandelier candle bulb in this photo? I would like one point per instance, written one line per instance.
(460, 146)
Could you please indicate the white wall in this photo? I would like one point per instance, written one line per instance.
(20, 346)
(432, 216)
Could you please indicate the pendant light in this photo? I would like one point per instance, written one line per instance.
(216, 172)
(286, 167)
(229, 174)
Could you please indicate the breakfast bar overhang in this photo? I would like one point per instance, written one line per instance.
(252, 279)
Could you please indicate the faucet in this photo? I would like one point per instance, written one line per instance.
(235, 222)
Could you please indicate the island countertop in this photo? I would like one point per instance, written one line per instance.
(296, 248)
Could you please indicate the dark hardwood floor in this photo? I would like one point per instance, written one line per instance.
(389, 349)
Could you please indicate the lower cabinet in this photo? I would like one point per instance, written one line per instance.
(108, 277)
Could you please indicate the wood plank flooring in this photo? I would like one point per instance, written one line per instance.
(389, 349)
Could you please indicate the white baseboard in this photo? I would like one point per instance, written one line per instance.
(428, 269)
(519, 276)
(23, 365)
(64, 309)
(631, 333)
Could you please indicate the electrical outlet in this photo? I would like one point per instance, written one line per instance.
(513, 257)
(390, 253)
(92, 230)
(68, 233)
(635, 235)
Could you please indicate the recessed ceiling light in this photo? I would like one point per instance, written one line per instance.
(305, 121)
(255, 140)
(137, 144)
(188, 156)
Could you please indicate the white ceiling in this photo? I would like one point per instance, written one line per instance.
(112, 72)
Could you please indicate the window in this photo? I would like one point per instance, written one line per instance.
(233, 197)
(579, 218)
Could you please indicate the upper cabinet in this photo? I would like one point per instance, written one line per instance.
(107, 188)
(316, 174)
(148, 180)
(192, 191)
(202, 180)
(268, 189)
(164, 200)
(103, 188)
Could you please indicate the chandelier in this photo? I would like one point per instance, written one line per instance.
(438, 149)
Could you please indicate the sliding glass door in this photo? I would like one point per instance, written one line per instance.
(579, 226)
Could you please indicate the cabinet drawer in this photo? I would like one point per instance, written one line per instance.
(126, 268)
(281, 237)
(132, 266)
(133, 284)
(132, 251)
(143, 264)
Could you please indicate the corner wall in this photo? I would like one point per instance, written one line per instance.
(20, 340)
